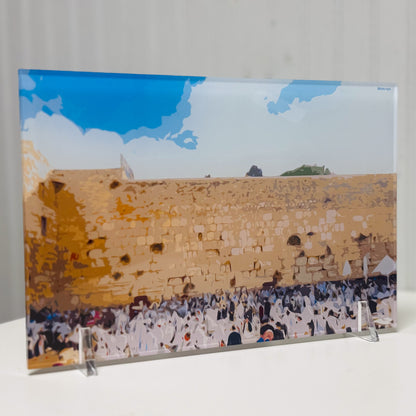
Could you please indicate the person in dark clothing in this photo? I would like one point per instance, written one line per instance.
(267, 307)
(311, 326)
(278, 332)
(329, 330)
(234, 338)
(267, 333)
(231, 311)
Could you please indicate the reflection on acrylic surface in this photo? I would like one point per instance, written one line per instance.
(283, 219)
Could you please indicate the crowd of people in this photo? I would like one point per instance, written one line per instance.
(241, 316)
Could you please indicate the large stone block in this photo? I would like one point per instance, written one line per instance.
(321, 275)
(199, 228)
(236, 251)
(108, 226)
(96, 254)
(301, 261)
(141, 241)
(176, 222)
(194, 271)
(332, 267)
(304, 278)
(175, 281)
(329, 260)
(314, 269)
(221, 277)
(313, 260)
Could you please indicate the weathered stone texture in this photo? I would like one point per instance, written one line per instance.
(178, 237)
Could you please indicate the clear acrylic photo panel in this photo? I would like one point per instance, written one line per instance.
(276, 213)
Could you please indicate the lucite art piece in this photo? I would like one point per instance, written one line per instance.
(174, 213)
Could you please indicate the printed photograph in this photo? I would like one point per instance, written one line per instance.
(176, 213)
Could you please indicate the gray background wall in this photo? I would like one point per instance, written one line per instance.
(351, 40)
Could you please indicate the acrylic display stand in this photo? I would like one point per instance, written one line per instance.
(366, 330)
(86, 353)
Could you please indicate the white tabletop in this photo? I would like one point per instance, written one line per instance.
(332, 377)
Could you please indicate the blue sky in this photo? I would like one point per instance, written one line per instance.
(129, 105)
(192, 126)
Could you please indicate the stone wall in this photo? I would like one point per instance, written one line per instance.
(118, 239)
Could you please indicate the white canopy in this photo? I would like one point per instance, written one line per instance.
(386, 266)
(347, 268)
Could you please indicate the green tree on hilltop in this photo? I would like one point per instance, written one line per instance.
(307, 170)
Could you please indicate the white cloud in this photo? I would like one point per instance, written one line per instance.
(66, 147)
(349, 132)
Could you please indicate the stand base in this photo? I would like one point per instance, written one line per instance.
(86, 353)
(366, 329)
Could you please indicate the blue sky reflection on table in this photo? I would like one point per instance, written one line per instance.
(194, 126)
